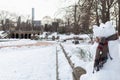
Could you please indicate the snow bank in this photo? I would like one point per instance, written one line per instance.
(64, 36)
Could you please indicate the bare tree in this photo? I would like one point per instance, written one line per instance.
(86, 9)
(104, 7)
(97, 13)
(7, 18)
(3, 16)
(19, 23)
(84, 13)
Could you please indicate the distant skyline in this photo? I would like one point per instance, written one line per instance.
(42, 7)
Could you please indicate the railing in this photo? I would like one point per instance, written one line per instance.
(77, 71)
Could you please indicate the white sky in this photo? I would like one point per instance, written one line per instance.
(42, 7)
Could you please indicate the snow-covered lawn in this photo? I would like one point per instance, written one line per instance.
(34, 62)
(28, 63)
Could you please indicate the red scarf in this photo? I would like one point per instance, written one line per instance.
(102, 49)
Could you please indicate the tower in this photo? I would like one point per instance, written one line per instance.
(33, 14)
(33, 17)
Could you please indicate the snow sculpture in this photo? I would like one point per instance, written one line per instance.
(111, 68)
(106, 30)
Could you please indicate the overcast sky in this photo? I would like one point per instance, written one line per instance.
(42, 7)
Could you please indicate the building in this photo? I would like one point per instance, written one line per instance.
(37, 23)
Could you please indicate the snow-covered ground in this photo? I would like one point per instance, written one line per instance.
(28, 63)
(33, 62)
(39, 62)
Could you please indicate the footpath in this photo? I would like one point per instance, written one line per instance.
(33, 44)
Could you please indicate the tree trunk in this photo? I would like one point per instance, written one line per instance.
(103, 11)
(97, 16)
(108, 15)
(119, 17)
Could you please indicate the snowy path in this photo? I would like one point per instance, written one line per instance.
(28, 64)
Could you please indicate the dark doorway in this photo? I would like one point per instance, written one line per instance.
(29, 36)
(13, 36)
(17, 35)
(26, 36)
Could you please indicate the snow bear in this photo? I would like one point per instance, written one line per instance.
(111, 68)
(106, 30)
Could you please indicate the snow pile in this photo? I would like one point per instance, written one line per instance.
(63, 36)
(1, 32)
(43, 35)
(111, 67)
